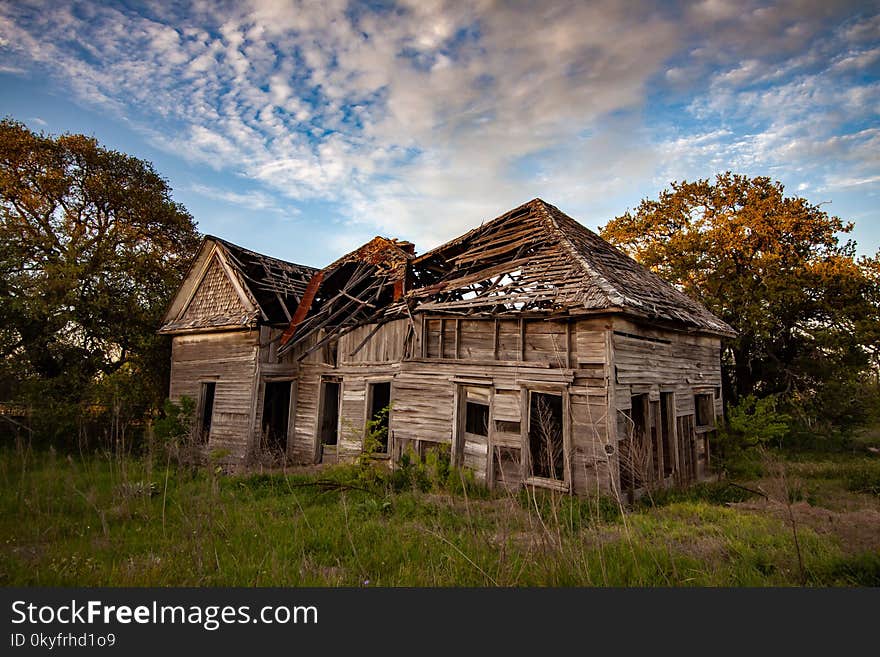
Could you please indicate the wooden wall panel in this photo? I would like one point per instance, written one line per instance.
(477, 339)
(230, 360)
(422, 408)
(545, 342)
(508, 340)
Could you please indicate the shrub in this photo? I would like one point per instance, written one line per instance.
(175, 426)
(756, 421)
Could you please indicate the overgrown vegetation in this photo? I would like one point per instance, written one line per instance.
(118, 520)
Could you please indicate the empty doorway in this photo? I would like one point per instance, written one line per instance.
(276, 416)
(328, 432)
(379, 400)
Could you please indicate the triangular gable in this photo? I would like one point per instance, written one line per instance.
(215, 296)
(211, 296)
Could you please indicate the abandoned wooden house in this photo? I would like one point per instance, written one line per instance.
(529, 348)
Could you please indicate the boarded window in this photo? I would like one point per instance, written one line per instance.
(380, 406)
(704, 406)
(477, 419)
(547, 459)
(276, 415)
(433, 329)
(206, 395)
(448, 338)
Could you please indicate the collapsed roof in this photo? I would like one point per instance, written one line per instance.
(534, 259)
(353, 291)
(229, 286)
(537, 259)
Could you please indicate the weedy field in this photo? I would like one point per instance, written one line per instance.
(805, 519)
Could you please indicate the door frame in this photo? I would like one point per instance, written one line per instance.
(458, 426)
(319, 420)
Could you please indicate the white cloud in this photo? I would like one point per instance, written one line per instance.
(420, 119)
(252, 200)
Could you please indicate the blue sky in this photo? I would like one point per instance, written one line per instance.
(302, 129)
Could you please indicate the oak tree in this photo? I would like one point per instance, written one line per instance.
(92, 246)
(772, 266)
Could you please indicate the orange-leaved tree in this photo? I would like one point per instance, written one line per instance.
(775, 267)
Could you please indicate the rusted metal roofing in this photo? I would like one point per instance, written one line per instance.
(353, 290)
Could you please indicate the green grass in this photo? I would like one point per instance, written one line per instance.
(103, 521)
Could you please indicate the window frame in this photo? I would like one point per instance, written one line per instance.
(562, 390)
(704, 428)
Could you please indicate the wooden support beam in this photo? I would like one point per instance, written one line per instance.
(568, 355)
(424, 344)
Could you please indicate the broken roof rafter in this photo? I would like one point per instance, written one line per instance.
(354, 290)
(268, 288)
(555, 265)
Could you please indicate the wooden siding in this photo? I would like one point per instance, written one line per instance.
(303, 445)
(600, 362)
(648, 360)
(384, 345)
(423, 406)
(230, 360)
(353, 417)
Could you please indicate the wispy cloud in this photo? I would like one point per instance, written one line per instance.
(253, 200)
(419, 117)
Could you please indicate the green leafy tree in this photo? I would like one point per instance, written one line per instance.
(772, 266)
(92, 247)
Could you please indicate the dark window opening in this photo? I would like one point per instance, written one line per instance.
(667, 428)
(545, 436)
(704, 406)
(332, 354)
(276, 415)
(635, 455)
(477, 419)
(207, 393)
(330, 413)
(380, 406)
(506, 426)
